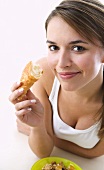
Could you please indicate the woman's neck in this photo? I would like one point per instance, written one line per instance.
(92, 92)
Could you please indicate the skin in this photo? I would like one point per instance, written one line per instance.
(77, 63)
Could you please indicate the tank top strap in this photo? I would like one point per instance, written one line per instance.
(55, 89)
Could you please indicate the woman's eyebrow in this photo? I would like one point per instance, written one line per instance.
(50, 42)
(78, 41)
(72, 42)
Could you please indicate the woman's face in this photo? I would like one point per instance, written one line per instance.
(74, 60)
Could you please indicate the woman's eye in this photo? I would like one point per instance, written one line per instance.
(53, 47)
(78, 48)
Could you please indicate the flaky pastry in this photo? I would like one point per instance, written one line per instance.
(31, 73)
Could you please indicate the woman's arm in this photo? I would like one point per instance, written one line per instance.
(96, 151)
(41, 143)
(41, 137)
(35, 111)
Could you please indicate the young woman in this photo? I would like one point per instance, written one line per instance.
(65, 107)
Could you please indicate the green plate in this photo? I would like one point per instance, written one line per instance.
(42, 162)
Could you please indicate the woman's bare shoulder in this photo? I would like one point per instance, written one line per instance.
(48, 76)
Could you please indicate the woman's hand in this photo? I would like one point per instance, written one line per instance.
(23, 128)
(29, 110)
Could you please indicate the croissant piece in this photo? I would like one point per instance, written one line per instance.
(31, 73)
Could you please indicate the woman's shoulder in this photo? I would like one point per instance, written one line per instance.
(48, 76)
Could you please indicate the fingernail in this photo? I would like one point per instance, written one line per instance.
(21, 90)
(33, 101)
(18, 83)
(29, 108)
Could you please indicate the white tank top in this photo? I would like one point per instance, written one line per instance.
(87, 138)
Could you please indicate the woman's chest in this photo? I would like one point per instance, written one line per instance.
(78, 115)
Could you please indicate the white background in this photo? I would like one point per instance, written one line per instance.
(22, 38)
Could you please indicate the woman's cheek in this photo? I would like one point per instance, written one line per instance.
(83, 63)
(52, 62)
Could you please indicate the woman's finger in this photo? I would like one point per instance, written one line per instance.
(16, 85)
(22, 115)
(22, 127)
(22, 112)
(24, 104)
(14, 96)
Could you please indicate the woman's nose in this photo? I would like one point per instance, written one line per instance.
(64, 60)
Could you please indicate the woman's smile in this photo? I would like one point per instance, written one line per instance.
(68, 75)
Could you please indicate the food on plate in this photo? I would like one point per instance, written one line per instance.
(55, 163)
(58, 166)
(31, 73)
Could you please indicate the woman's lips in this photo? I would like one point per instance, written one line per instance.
(68, 75)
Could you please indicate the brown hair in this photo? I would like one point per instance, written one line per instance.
(87, 18)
